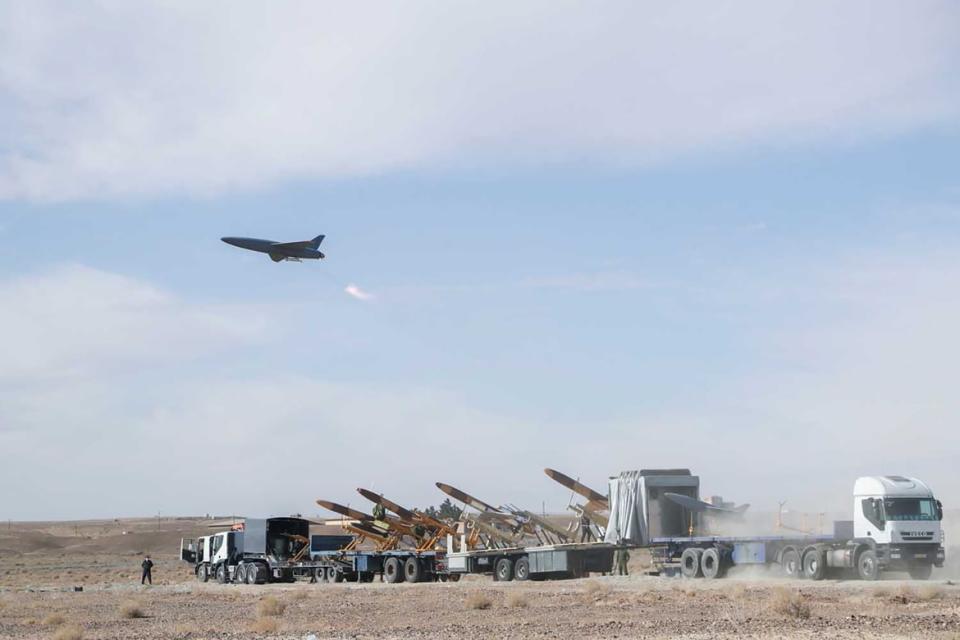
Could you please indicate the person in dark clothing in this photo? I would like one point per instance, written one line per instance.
(147, 566)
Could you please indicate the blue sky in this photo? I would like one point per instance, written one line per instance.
(741, 259)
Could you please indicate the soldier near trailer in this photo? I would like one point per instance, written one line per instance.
(147, 566)
(622, 559)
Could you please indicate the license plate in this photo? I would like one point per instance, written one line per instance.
(919, 555)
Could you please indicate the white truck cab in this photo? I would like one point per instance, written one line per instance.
(900, 518)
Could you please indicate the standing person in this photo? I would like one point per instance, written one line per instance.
(586, 533)
(147, 566)
(623, 557)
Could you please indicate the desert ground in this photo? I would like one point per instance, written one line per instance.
(42, 565)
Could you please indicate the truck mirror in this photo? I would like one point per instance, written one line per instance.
(939, 510)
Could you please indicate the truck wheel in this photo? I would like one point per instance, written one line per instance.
(252, 572)
(412, 571)
(690, 562)
(521, 569)
(920, 572)
(203, 573)
(392, 571)
(337, 576)
(453, 577)
(814, 564)
(867, 567)
(504, 570)
(240, 576)
(222, 573)
(790, 563)
(711, 563)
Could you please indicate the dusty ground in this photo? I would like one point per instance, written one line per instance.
(40, 565)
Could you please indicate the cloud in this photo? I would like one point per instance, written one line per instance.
(173, 98)
(354, 291)
(73, 320)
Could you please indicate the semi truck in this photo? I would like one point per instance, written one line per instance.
(256, 552)
(281, 549)
(895, 528)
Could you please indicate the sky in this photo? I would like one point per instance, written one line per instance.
(590, 237)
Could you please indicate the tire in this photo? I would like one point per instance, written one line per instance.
(920, 572)
(521, 569)
(711, 563)
(690, 563)
(503, 570)
(337, 576)
(453, 577)
(203, 573)
(240, 575)
(412, 570)
(392, 571)
(222, 573)
(790, 563)
(867, 566)
(814, 564)
(252, 571)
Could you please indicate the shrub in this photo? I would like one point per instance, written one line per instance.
(790, 604)
(131, 609)
(929, 592)
(53, 620)
(478, 601)
(270, 606)
(265, 624)
(68, 632)
(517, 600)
(596, 589)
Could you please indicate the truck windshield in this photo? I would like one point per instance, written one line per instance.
(909, 509)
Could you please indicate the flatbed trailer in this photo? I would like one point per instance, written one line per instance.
(544, 562)
(712, 556)
(400, 565)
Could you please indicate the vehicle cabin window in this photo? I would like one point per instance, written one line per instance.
(215, 545)
(872, 512)
(897, 509)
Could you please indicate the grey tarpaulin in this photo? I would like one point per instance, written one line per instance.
(626, 510)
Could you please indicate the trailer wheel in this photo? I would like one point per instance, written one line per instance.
(711, 563)
(920, 572)
(203, 573)
(453, 577)
(252, 571)
(504, 570)
(867, 566)
(222, 573)
(412, 571)
(337, 575)
(690, 562)
(521, 569)
(790, 563)
(392, 572)
(814, 564)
